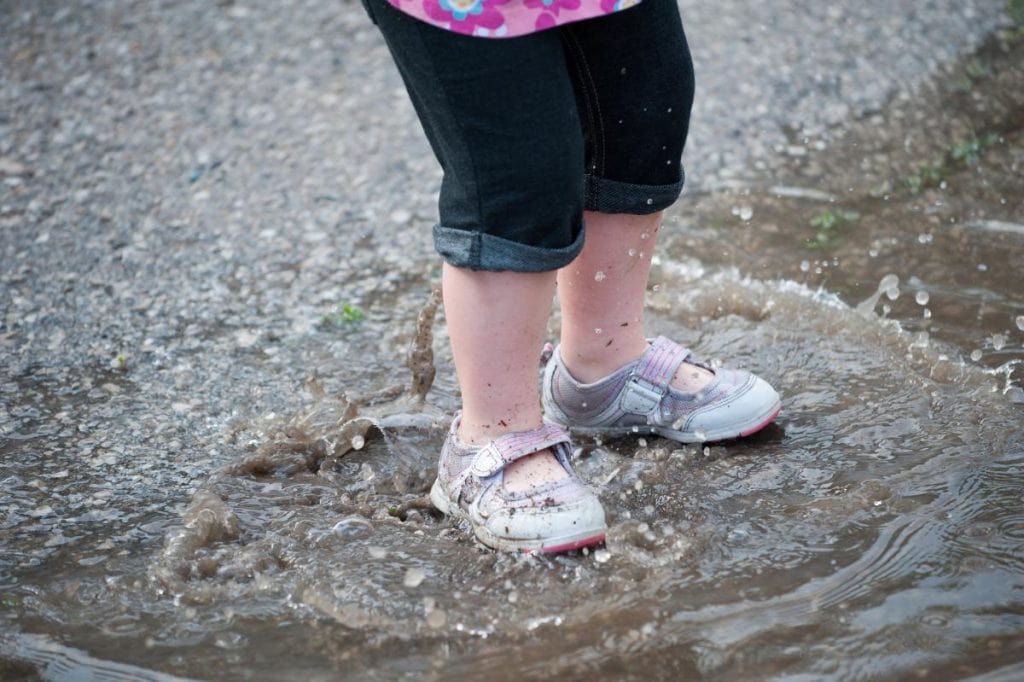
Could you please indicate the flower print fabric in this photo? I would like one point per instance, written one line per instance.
(506, 18)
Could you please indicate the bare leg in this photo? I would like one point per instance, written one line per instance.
(602, 298)
(496, 321)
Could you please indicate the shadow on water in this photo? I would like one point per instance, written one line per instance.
(874, 532)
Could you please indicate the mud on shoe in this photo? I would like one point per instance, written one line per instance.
(639, 398)
(553, 517)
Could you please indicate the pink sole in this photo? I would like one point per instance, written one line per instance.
(569, 546)
(763, 424)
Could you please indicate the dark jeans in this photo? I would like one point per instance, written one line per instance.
(531, 131)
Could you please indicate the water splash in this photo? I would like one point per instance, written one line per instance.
(887, 283)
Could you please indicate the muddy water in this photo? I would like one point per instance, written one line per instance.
(875, 531)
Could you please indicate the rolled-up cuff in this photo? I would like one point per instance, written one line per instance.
(481, 251)
(610, 196)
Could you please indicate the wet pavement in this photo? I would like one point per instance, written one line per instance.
(215, 240)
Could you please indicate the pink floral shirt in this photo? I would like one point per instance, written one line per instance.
(506, 18)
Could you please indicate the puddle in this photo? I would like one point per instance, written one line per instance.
(873, 532)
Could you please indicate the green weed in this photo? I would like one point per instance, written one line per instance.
(963, 153)
(929, 175)
(345, 314)
(969, 151)
(978, 69)
(1015, 8)
(827, 225)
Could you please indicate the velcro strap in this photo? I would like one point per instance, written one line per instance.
(659, 363)
(652, 376)
(506, 449)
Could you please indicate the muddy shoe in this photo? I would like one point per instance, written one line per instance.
(554, 517)
(639, 398)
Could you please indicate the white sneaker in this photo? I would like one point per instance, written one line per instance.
(639, 398)
(554, 517)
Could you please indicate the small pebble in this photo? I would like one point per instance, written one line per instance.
(413, 577)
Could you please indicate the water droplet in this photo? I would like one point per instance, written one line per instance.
(707, 451)
(669, 162)
(921, 297)
(650, 201)
(602, 555)
(353, 527)
(670, 110)
(976, 354)
(926, 314)
(632, 253)
(599, 276)
(1020, 322)
(982, 267)
(656, 287)
(744, 212)
(701, 435)
(738, 536)
(623, 71)
(583, 404)
(935, 620)
(597, 330)
(644, 235)
(998, 341)
(413, 577)
(642, 442)
(230, 640)
(513, 597)
(892, 293)
(804, 266)
(358, 442)
(924, 238)
(366, 471)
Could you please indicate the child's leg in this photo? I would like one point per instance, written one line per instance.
(634, 82)
(501, 118)
(497, 321)
(602, 298)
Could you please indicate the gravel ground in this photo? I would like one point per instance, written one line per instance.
(188, 186)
